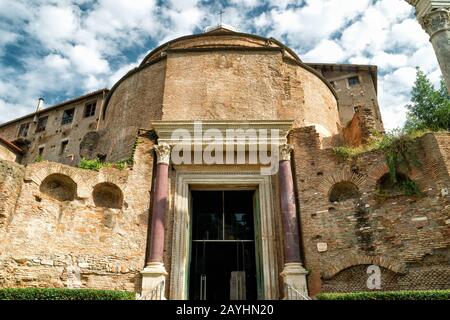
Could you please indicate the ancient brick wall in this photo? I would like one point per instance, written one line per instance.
(11, 177)
(408, 235)
(63, 230)
(248, 85)
(7, 154)
(136, 101)
(360, 129)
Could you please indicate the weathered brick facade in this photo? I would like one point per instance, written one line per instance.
(45, 242)
(404, 234)
(61, 226)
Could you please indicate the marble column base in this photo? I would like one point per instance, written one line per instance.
(294, 280)
(153, 281)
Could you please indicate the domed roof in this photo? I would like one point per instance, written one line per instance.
(219, 37)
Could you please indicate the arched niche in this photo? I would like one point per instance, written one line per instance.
(108, 195)
(403, 185)
(59, 186)
(342, 191)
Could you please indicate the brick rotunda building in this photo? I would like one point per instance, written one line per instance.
(224, 226)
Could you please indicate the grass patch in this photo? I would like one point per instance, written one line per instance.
(388, 295)
(64, 294)
(96, 164)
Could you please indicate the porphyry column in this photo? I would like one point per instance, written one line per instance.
(434, 16)
(294, 275)
(154, 273)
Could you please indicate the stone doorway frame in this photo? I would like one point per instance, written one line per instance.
(179, 274)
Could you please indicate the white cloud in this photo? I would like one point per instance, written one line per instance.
(87, 61)
(408, 33)
(389, 60)
(53, 24)
(316, 20)
(425, 58)
(394, 93)
(327, 51)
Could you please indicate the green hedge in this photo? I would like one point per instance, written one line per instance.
(64, 294)
(388, 295)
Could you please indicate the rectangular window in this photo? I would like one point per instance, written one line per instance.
(23, 130)
(68, 116)
(40, 151)
(89, 109)
(64, 145)
(42, 123)
(353, 81)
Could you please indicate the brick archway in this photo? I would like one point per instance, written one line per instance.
(345, 261)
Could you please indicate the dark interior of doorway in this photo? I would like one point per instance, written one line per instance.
(223, 246)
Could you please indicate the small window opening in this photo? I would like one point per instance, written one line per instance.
(68, 116)
(23, 130)
(353, 81)
(42, 123)
(89, 109)
(64, 146)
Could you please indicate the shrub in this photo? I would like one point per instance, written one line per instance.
(96, 164)
(388, 295)
(63, 294)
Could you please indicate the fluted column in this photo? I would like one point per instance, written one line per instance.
(294, 275)
(154, 273)
(434, 16)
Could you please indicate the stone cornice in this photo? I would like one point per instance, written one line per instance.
(424, 7)
(165, 129)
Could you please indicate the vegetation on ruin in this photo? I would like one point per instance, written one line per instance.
(399, 150)
(39, 159)
(97, 164)
(429, 111)
(63, 294)
(388, 295)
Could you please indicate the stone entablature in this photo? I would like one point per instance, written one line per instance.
(424, 7)
(194, 132)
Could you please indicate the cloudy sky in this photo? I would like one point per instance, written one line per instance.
(59, 49)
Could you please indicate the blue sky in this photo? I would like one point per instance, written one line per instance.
(59, 49)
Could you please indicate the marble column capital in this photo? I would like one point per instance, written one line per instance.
(163, 152)
(285, 151)
(436, 21)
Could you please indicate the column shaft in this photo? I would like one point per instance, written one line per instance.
(289, 213)
(158, 213)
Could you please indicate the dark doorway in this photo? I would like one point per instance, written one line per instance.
(223, 263)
